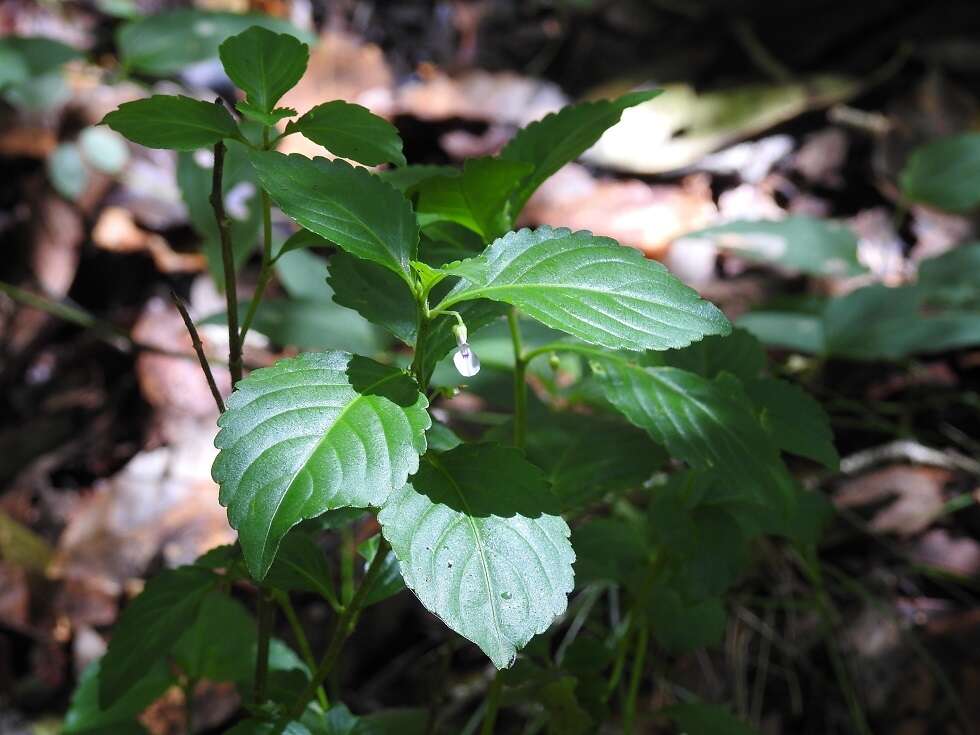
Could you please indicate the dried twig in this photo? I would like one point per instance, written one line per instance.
(199, 349)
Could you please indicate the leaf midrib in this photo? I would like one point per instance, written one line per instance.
(438, 466)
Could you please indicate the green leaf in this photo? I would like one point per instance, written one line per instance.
(256, 114)
(148, 627)
(103, 149)
(86, 717)
(679, 626)
(263, 64)
(796, 422)
(220, 645)
(301, 565)
(787, 329)
(561, 137)
(245, 214)
(803, 244)
(67, 171)
(351, 131)
(312, 433)
(698, 718)
(35, 56)
(587, 458)
(477, 199)
(346, 205)
(739, 353)
(945, 173)
(172, 121)
(953, 278)
(407, 178)
(300, 240)
(389, 583)
(479, 546)
(609, 550)
(702, 422)
(375, 293)
(592, 288)
(161, 44)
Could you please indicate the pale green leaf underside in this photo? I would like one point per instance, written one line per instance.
(348, 206)
(699, 421)
(479, 548)
(264, 64)
(172, 121)
(298, 439)
(592, 288)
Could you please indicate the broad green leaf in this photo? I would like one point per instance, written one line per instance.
(699, 718)
(301, 565)
(299, 240)
(375, 293)
(804, 244)
(263, 64)
(561, 137)
(172, 121)
(592, 288)
(312, 433)
(478, 544)
(738, 353)
(389, 582)
(220, 644)
(241, 204)
(339, 720)
(444, 242)
(256, 114)
(351, 131)
(476, 199)
(945, 173)
(303, 275)
(700, 421)
(161, 44)
(796, 422)
(67, 171)
(346, 205)
(952, 279)
(609, 550)
(682, 626)
(149, 626)
(86, 717)
(32, 56)
(407, 178)
(587, 458)
(787, 329)
(103, 149)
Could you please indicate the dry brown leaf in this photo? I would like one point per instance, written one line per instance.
(644, 216)
(117, 231)
(939, 548)
(57, 245)
(917, 494)
(495, 97)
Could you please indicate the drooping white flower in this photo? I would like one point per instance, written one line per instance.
(465, 359)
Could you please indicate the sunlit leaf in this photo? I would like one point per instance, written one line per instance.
(172, 121)
(312, 433)
(592, 288)
(263, 64)
(351, 131)
(479, 545)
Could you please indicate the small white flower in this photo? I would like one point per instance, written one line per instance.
(465, 360)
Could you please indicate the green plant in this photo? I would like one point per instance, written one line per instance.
(478, 530)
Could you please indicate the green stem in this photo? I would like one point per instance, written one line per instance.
(227, 262)
(301, 640)
(422, 336)
(493, 705)
(636, 676)
(520, 381)
(265, 613)
(345, 626)
(347, 556)
(188, 686)
(265, 274)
